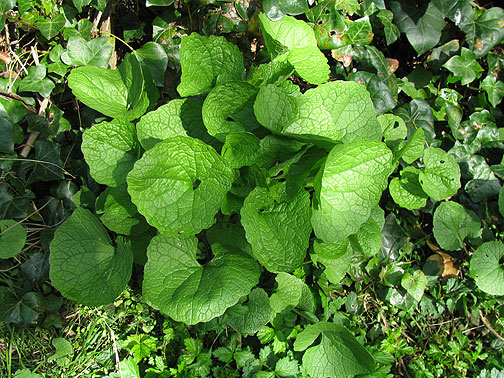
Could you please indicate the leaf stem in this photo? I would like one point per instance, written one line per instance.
(119, 39)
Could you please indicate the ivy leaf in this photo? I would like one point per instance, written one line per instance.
(179, 185)
(46, 165)
(407, 191)
(422, 25)
(50, 27)
(336, 111)
(464, 66)
(257, 312)
(487, 269)
(414, 284)
(339, 354)
(177, 285)
(140, 346)
(418, 114)
(79, 4)
(95, 52)
(111, 150)
(391, 30)
(279, 232)
(228, 109)
(441, 177)
(289, 34)
(353, 179)
(207, 62)
(484, 32)
(494, 89)
(12, 238)
(12, 206)
(36, 81)
(85, 267)
(276, 9)
(452, 223)
(111, 92)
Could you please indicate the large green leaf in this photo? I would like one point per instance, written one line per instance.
(178, 117)
(206, 62)
(339, 354)
(228, 109)
(110, 149)
(336, 111)
(421, 24)
(464, 66)
(407, 191)
(240, 149)
(279, 232)
(179, 185)
(353, 179)
(177, 285)
(291, 292)
(441, 177)
(248, 318)
(85, 266)
(119, 214)
(336, 258)
(153, 56)
(116, 93)
(289, 35)
(12, 238)
(452, 223)
(487, 267)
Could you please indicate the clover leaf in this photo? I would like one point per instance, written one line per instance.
(177, 285)
(85, 266)
(179, 185)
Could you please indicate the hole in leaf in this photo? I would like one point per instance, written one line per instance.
(261, 210)
(320, 22)
(195, 184)
(332, 33)
(327, 11)
(281, 179)
(396, 125)
(501, 262)
(229, 119)
(441, 161)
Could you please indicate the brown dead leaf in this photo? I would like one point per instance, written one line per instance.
(393, 65)
(5, 58)
(447, 264)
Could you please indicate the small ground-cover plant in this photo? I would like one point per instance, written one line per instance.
(279, 194)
